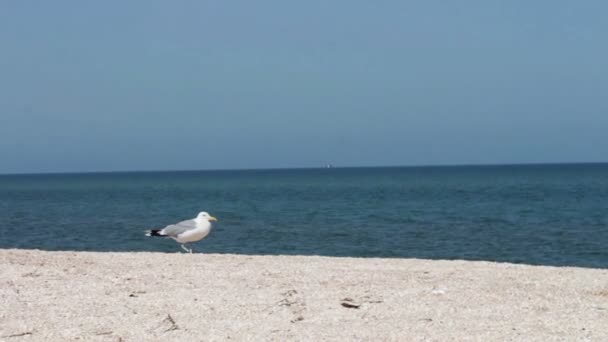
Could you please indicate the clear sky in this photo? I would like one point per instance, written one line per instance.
(157, 85)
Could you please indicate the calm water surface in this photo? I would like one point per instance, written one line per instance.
(537, 214)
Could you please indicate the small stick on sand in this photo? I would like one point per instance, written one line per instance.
(19, 335)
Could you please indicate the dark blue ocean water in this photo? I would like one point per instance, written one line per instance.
(535, 214)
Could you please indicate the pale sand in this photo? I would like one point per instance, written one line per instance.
(56, 296)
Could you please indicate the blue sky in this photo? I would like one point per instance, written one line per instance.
(156, 85)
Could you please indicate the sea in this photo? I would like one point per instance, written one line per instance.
(532, 214)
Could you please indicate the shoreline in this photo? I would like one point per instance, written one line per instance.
(123, 296)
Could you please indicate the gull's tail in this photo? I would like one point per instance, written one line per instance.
(154, 232)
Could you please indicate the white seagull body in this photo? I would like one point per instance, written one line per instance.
(186, 231)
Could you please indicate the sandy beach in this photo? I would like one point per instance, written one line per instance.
(56, 296)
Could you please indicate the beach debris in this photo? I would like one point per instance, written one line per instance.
(294, 302)
(135, 293)
(297, 319)
(171, 321)
(104, 333)
(437, 291)
(349, 303)
(19, 334)
(288, 298)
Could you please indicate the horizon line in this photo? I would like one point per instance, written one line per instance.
(307, 168)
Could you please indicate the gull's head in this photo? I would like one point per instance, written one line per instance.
(203, 215)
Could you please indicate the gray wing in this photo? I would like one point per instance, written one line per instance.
(178, 228)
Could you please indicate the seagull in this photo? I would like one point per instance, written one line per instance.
(186, 231)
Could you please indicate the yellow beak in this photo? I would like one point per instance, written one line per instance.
(211, 218)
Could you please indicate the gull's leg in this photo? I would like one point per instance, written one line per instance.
(190, 250)
(186, 248)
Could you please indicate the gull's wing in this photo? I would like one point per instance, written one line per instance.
(178, 228)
